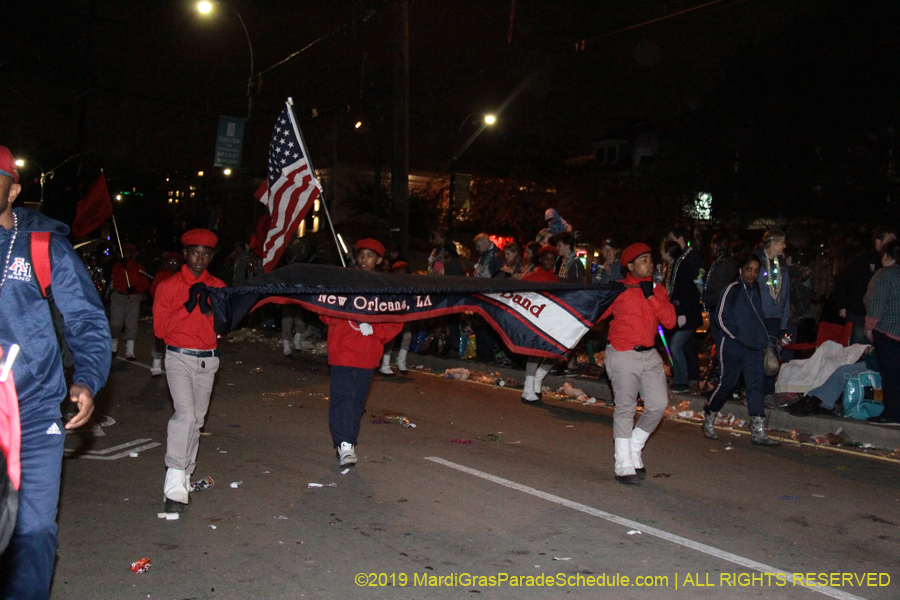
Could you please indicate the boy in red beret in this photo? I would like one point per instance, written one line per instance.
(354, 350)
(183, 318)
(536, 369)
(632, 363)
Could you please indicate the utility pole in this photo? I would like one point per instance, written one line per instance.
(400, 162)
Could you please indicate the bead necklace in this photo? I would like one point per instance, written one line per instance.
(12, 242)
(670, 284)
(774, 278)
(566, 263)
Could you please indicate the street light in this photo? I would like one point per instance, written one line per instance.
(487, 121)
(21, 163)
(206, 8)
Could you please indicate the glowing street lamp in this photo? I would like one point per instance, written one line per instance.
(226, 172)
(487, 121)
(206, 8)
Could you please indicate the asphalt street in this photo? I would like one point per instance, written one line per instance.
(482, 487)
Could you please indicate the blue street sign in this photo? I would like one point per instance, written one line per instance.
(229, 142)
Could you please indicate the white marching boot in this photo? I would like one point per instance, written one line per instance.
(542, 371)
(175, 490)
(401, 361)
(528, 395)
(385, 368)
(287, 347)
(129, 350)
(625, 472)
(156, 369)
(297, 339)
(638, 440)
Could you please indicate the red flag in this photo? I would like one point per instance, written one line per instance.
(292, 186)
(94, 209)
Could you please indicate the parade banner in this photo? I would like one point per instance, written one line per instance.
(533, 318)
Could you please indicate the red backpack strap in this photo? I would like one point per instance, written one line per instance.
(40, 259)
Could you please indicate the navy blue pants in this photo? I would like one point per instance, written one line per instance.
(735, 359)
(347, 400)
(27, 565)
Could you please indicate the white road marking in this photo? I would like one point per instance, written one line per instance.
(107, 453)
(665, 535)
(101, 421)
(136, 363)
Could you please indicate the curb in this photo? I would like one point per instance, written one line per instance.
(852, 430)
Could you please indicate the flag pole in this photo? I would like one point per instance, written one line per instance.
(290, 104)
(121, 253)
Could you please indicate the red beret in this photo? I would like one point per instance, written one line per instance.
(129, 247)
(399, 265)
(370, 244)
(547, 248)
(8, 164)
(171, 256)
(199, 237)
(633, 251)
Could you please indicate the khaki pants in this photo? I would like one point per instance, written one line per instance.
(124, 310)
(633, 373)
(190, 383)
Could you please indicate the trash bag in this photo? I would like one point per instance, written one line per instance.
(863, 395)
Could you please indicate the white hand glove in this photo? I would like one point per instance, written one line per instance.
(682, 320)
(366, 329)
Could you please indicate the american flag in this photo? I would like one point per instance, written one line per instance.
(292, 186)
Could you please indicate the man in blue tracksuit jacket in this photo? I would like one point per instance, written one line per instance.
(741, 338)
(26, 567)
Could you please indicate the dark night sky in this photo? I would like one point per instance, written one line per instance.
(153, 77)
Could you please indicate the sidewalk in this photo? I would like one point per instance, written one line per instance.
(853, 431)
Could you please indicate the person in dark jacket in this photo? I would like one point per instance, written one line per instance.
(722, 272)
(693, 262)
(851, 283)
(741, 339)
(775, 290)
(26, 567)
(685, 297)
(568, 266)
(612, 267)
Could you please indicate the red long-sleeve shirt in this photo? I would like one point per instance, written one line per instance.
(539, 274)
(171, 320)
(136, 276)
(636, 318)
(348, 347)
